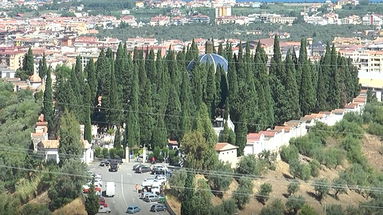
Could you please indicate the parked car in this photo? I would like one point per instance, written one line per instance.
(86, 187)
(104, 209)
(144, 194)
(104, 163)
(158, 207)
(143, 169)
(135, 166)
(101, 201)
(161, 178)
(151, 198)
(133, 209)
(148, 182)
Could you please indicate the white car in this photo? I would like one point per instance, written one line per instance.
(161, 178)
(104, 209)
(148, 182)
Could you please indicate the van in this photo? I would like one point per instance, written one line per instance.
(151, 198)
(110, 189)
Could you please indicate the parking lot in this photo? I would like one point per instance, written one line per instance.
(126, 194)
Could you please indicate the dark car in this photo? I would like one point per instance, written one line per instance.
(158, 207)
(113, 167)
(143, 169)
(104, 163)
(135, 166)
(115, 160)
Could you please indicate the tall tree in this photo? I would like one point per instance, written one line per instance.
(210, 98)
(173, 114)
(187, 204)
(70, 141)
(133, 128)
(291, 87)
(323, 80)
(87, 113)
(91, 202)
(306, 93)
(28, 62)
(203, 124)
(43, 68)
(185, 99)
(333, 97)
(277, 74)
(48, 109)
(90, 70)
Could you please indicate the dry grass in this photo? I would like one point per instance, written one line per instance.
(76, 207)
(371, 149)
(279, 179)
(41, 199)
(174, 203)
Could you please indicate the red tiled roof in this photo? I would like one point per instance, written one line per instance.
(338, 111)
(269, 133)
(292, 123)
(172, 142)
(221, 146)
(253, 137)
(285, 128)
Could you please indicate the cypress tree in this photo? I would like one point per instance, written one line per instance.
(75, 97)
(211, 91)
(342, 81)
(265, 104)
(133, 129)
(333, 97)
(291, 87)
(187, 201)
(173, 114)
(43, 68)
(70, 139)
(185, 99)
(306, 93)
(87, 113)
(150, 67)
(126, 82)
(220, 49)
(277, 75)
(28, 62)
(90, 70)
(113, 104)
(146, 109)
(323, 81)
(203, 124)
(117, 139)
(48, 109)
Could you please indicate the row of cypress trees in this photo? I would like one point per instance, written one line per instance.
(156, 98)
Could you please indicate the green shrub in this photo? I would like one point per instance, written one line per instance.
(105, 152)
(264, 192)
(314, 167)
(293, 187)
(98, 152)
(289, 153)
(375, 129)
(243, 192)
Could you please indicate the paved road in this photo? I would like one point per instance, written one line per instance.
(125, 180)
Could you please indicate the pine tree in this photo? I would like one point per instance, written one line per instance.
(43, 68)
(306, 93)
(48, 109)
(28, 62)
(333, 97)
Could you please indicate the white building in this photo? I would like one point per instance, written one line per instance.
(227, 153)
